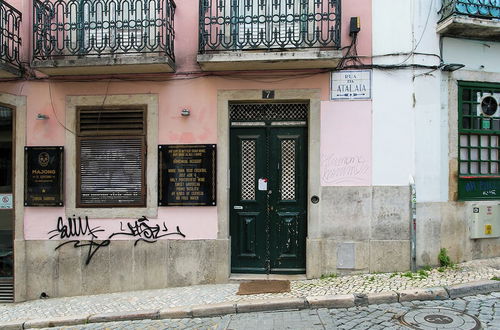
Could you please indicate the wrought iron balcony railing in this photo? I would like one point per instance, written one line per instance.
(10, 39)
(65, 28)
(268, 24)
(477, 8)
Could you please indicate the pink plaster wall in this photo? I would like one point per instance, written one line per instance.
(346, 140)
(189, 88)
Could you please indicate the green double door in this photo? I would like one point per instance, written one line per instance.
(268, 185)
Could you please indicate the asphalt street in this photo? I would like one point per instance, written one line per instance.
(480, 311)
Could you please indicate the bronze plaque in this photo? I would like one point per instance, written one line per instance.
(43, 181)
(187, 175)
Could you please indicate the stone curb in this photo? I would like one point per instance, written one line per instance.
(472, 288)
(124, 316)
(337, 301)
(438, 293)
(270, 305)
(247, 306)
(56, 321)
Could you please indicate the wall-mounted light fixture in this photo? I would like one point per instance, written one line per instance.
(41, 116)
(185, 112)
(450, 67)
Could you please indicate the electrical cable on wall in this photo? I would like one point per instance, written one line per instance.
(54, 111)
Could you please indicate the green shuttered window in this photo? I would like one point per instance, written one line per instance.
(111, 163)
(478, 141)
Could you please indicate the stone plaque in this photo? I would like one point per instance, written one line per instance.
(187, 175)
(43, 181)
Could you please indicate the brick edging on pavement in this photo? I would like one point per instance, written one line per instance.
(332, 301)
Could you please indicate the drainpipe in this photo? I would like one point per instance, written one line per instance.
(413, 225)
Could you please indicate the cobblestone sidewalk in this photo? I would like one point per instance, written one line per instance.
(382, 316)
(211, 294)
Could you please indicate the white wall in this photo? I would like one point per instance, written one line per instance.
(477, 55)
(392, 128)
(407, 116)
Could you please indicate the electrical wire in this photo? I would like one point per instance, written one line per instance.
(54, 111)
(422, 35)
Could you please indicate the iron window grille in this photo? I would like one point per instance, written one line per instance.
(111, 157)
(478, 140)
(268, 24)
(475, 8)
(10, 39)
(64, 28)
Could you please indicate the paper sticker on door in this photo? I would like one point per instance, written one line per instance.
(5, 201)
(262, 184)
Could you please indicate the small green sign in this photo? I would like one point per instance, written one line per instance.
(486, 124)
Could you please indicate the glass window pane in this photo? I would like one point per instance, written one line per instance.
(466, 109)
(466, 123)
(463, 168)
(495, 124)
(485, 154)
(464, 154)
(464, 140)
(466, 94)
(474, 141)
(494, 168)
(484, 141)
(494, 154)
(493, 141)
(476, 123)
(474, 154)
(484, 168)
(474, 168)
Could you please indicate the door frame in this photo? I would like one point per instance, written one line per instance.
(313, 96)
(18, 106)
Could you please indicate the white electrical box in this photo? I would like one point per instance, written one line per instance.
(485, 221)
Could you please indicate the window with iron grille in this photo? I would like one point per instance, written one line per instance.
(111, 157)
(478, 141)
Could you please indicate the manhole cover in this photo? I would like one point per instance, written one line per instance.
(439, 318)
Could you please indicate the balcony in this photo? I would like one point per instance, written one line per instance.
(87, 37)
(269, 34)
(471, 19)
(10, 41)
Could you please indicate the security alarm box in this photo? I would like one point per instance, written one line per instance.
(485, 221)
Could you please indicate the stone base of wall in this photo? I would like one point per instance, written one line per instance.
(341, 257)
(120, 266)
(367, 229)
(446, 225)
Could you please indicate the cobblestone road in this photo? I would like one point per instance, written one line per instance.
(210, 294)
(385, 316)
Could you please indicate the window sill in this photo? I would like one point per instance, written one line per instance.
(113, 212)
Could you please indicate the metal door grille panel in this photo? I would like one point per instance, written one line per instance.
(248, 170)
(288, 169)
(268, 111)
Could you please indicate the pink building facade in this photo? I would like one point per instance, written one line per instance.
(269, 106)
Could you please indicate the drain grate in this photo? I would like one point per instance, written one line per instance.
(439, 318)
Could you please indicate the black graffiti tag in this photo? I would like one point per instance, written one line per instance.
(74, 228)
(149, 234)
(77, 228)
